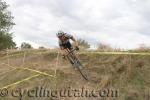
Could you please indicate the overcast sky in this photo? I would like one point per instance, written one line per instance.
(120, 23)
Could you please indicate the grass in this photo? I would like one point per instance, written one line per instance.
(128, 73)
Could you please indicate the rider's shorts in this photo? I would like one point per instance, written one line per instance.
(67, 45)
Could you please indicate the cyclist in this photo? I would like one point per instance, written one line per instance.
(64, 42)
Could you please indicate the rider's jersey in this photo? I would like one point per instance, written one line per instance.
(66, 40)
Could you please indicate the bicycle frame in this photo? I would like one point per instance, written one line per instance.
(70, 55)
(75, 62)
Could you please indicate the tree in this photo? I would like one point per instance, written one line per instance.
(41, 47)
(83, 44)
(143, 48)
(6, 41)
(104, 47)
(6, 23)
(6, 20)
(25, 45)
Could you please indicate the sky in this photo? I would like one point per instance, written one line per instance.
(119, 23)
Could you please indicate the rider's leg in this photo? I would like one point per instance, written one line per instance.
(69, 46)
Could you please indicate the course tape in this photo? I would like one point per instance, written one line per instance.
(22, 53)
(115, 53)
(42, 73)
(101, 53)
(24, 68)
(8, 65)
(21, 81)
(28, 78)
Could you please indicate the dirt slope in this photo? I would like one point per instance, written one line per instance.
(126, 74)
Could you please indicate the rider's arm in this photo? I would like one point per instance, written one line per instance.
(75, 41)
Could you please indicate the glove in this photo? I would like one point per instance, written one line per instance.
(77, 48)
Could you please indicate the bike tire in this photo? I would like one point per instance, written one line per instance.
(72, 58)
(81, 71)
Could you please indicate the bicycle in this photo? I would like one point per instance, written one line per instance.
(76, 63)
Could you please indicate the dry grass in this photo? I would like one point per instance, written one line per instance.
(129, 74)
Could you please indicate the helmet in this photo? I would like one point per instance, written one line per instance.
(60, 33)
